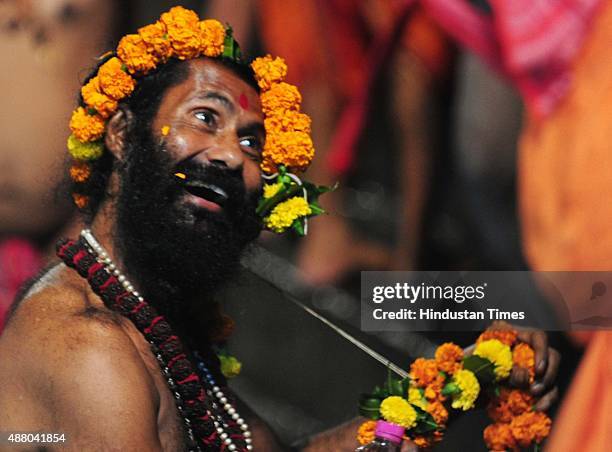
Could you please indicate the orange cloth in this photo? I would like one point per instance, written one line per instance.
(565, 167)
(585, 420)
(565, 184)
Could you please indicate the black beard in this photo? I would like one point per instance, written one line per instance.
(177, 254)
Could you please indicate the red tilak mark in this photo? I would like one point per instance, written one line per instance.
(244, 102)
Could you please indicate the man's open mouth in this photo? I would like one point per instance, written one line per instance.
(208, 192)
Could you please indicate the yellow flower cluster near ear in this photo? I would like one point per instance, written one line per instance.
(271, 189)
(397, 410)
(288, 139)
(285, 213)
(498, 353)
(470, 388)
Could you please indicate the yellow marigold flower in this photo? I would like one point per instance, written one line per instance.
(132, 50)
(182, 27)
(81, 201)
(104, 105)
(80, 172)
(114, 81)
(498, 353)
(230, 366)
(86, 127)
(281, 96)
(416, 398)
(470, 388)
(292, 149)
(285, 213)
(212, 35)
(366, 432)
(448, 357)
(287, 121)
(397, 410)
(84, 151)
(268, 71)
(524, 356)
(156, 40)
(271, 189)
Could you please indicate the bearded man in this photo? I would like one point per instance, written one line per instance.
(168, 143)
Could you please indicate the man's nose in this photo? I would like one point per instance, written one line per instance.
(229, 156)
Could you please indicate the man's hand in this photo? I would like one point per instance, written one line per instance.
(547, 362)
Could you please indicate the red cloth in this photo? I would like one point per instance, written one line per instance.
(19, 261)
(531, 42)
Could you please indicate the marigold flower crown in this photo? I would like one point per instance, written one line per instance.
(179, 33)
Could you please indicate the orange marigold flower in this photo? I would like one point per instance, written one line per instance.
(502, 331)
(530, 427)
(86, 127)
(114, 81)
(212, 35)
(281, 96)
(511, 402)
(287, 121)
(499, 437)
(366, 432)
(422, 442)
(94, 98)
(292, 149)
(80, 172)
(81, 201)
(524, 356)
(132, 50)
(448, 357)
(268, 71)
(433, 391)
(438, 411)
(156, 40)
(182, 27)
(424, 372)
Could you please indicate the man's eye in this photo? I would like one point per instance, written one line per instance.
(253, 146)
(205, 116)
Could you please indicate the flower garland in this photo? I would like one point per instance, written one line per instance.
(422, 402)
(179, 33)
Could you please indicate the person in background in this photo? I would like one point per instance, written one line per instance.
(43, 46)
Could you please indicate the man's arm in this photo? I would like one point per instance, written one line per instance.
(88, 381)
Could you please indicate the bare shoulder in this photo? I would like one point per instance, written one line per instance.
(67, 363)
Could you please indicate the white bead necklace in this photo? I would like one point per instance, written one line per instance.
(214, 392)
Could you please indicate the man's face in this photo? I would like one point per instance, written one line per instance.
(214, 118)
(181, 236)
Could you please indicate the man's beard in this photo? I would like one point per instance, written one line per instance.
(176, 253)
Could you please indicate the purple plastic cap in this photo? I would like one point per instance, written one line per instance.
(387, 430)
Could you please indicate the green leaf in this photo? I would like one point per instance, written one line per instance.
(425, 422)
(298, 226)
(396, 388)
(405, 385)
(450, 389)
(316, 210)
(481, 367)
(380, 393)
(369, 406)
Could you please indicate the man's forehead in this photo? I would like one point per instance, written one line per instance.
(210, 79)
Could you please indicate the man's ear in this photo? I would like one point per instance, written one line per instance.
(116, 132)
